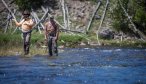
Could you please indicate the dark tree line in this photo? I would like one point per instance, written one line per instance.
(136, 9)
(34, 4)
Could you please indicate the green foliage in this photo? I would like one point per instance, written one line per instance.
(70, 39)
(16, 39)
(35, 4)
(36, 37)
(28, 4)
(120, 20)
(140, 19)
(136, 10)
(9, 38)
(9, 41)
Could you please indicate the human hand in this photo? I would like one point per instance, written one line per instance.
(13, 19)
(55, 38)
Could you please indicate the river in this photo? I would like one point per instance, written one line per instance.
(77, 66)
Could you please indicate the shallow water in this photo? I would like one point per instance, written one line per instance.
(77, 66)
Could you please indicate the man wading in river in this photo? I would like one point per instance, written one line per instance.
(51, 32)
(26, 27)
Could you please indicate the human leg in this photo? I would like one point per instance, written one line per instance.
(26, 42)
(55, 49)
(50, 46)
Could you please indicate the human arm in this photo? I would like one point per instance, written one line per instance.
(18, 23)
(45, 32)
(57, 33)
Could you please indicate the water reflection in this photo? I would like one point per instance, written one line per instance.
(77, 66)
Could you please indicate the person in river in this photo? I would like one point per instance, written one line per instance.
(26, 25)
(51, 33)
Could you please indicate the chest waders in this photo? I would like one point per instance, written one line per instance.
(52, 46)
(26, 41)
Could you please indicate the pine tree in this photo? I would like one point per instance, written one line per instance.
(137, 11)
(28, 4)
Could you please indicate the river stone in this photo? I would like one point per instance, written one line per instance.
(106, 34)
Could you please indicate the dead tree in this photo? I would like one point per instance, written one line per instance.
(101, 21)
(43, 8)
(8, 21)
(39, 21)
(64, 13)
(92, 17)
(8, 9)
(62, 27)
(134, 27)
(67, 17)
(11, 14)
(35, 16)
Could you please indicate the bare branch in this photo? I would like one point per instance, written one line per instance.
(39, 21)
(9, 9)
(97, 7)
(134, 27)
(101, 21)
(54, 19)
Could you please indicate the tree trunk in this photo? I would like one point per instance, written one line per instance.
(102, 19)
(8, 9)
(122, 36)
(64, 13)
(54, 19)
(92, 17)
(8, 21)
(134, 29)
(67, 17)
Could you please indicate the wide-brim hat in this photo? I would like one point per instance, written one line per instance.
(26, 12)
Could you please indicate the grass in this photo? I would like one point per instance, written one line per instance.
(70, 40)
(11, 44)
(13, 51)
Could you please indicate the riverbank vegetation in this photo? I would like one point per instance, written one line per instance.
(11, 44)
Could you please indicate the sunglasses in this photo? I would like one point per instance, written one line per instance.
(26, 14)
